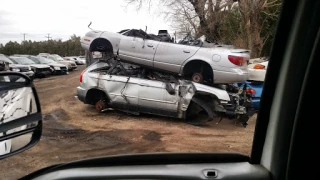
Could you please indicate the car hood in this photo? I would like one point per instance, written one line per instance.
(39, 66)
(18, 66)
(56, 65)
(220, 93)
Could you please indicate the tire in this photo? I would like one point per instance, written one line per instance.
(197, 77)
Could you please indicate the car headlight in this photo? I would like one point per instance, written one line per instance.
(15, 69)
(51, 69)
(56, 68)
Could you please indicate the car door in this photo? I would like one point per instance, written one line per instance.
(145, 50)
(152, 95)
(127, 48)
(170, 56)
(122, 91)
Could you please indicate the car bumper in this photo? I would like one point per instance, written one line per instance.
(42, 74)
(60, 72)
(257, 74)
(81, 93)
(29, 73)
(256, 104)
(233, 76)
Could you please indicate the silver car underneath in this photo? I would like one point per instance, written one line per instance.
(135, 90)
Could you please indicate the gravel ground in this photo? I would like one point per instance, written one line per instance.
(73, 131)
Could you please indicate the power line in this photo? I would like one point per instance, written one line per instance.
(48, 37)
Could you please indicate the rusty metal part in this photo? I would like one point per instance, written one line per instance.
(197, 77)
(100, 105)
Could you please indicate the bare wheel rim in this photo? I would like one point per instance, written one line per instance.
(100, 105)
(197, 77)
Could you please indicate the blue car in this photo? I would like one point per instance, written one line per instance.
(255, 89)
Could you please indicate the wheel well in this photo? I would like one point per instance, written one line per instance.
(198, 66)
(94, 95)
(101, 45)
(206, 100)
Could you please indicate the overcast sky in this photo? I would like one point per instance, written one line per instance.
(62, 18)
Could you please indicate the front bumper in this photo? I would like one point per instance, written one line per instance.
(42, 73)
(29, 73)
(81, 93)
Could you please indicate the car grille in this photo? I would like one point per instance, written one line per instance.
(24, 69)
(43, 69)
(63, 68)
(73, 64)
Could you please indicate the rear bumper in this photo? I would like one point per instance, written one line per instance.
(81, 93)
(233, 76)
(257, 74)
(256, 104)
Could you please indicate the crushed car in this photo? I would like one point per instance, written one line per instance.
(200, 61)
(134, 89)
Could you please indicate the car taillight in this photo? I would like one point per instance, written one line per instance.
(81, 76)
(258, 66)
(250, 91)
(237, 60)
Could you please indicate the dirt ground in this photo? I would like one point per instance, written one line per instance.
(73, 131)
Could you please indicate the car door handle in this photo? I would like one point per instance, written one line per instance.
(150, 45)
(144, 84)
(186, 51)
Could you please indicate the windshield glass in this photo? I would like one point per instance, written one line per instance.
(4, 58)
(187, 85)
(59, 58)
(43, 60)
(23, 60)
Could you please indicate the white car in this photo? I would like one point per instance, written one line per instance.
(70, 64)
(257, 71)
(200, 61)
(75, 59)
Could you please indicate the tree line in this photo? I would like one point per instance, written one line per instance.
(71, 47)
(246, 24)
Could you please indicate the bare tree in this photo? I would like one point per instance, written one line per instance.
(208, 17)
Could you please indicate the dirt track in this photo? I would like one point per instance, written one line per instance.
(73, 131)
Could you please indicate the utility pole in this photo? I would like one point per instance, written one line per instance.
(24, 36)
(48, 36)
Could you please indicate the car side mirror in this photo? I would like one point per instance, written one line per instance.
(21, 119)
(170, 89)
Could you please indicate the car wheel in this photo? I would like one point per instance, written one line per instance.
(100, 105)
(197, 77)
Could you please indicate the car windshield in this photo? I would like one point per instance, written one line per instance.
(4, 58)
(44, 60)
(59, 58)
(177, 77)
(23, 60)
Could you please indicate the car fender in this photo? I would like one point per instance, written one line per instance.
(221, 94)
(203, 54)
